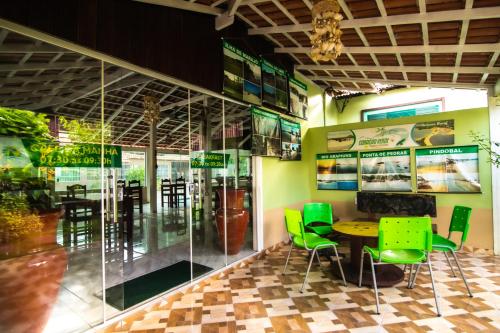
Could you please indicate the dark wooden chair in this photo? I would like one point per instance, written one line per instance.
(180, 191)
(76, 191)
(166, 192)
(134, 190)
(79, 214)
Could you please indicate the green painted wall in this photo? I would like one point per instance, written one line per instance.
(478, 119)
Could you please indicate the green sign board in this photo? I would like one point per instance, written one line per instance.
(447, 151)
(78, 155)
(336, 156)
(385, 153)
(209, 160)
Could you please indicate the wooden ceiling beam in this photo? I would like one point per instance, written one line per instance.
(425, 17)
(494, 47)
(416, 69)
(185, 5)
(404, 83)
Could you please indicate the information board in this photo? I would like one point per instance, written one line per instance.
(337, 171)
(242, 75)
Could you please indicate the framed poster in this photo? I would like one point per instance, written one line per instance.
(386, 171)
(448, 170)
(290, 141)
(274, 86)
(266, 139)
(429, 133)
(337, 171)
(298, 98)
(404, 110)
(242, 75)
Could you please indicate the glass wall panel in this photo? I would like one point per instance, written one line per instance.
(208, 179)
(239, 212)
(50, 237)
(147, 245)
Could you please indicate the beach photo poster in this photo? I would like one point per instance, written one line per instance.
(266, 135)
(274, 86)
(242, 75)
(337, 171)
(298, 98)
(386, 171)
(290, 141)
(448, 170)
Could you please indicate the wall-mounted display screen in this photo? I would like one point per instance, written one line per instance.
(386, 171)
(266, 140)
(298, 98)
(242, 75)
(274, 86)
(290, 141)
(451, 169)
(337, 171)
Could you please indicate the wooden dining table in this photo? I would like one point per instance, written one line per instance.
(361, 233)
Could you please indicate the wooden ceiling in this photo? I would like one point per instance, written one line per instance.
(44, 78)
(446, 43)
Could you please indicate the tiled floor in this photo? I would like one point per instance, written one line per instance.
(256, 297)
(59, 290)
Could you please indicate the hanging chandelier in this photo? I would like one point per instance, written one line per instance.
(151, 109)
(325, 39)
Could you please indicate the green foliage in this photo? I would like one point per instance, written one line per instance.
(136, 174)
(487, 146)
(22, 123)
(16, 219)
(82, 131)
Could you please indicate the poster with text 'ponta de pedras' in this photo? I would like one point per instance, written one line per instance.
(337, 171)
(386, 171)
(242, 75)
(448, 170)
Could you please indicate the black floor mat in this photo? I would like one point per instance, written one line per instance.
(135, 291)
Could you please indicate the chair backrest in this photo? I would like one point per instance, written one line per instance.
(134, 183)
(460, 221)
(165, 181)
(293, 221)
(318, 212)
(405, 233)
(120, 183)
(74, 190)
(180, 180)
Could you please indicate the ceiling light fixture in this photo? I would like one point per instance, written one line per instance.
(325, 39)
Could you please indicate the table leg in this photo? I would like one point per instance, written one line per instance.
(387, 275)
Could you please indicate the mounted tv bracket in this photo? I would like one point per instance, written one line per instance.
(340, 100)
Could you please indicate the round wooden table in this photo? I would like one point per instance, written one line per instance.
(365, 233)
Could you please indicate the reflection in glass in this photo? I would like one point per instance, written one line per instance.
(49, 212)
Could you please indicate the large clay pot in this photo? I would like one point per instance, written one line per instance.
(32, 270)
(237, 219)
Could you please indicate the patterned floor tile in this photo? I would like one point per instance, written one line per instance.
(256, 297)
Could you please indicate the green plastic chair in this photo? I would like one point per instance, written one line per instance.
(401, 240)
(459, 223)
(315, 212)
(308, 241)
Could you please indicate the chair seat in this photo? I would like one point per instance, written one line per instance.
(322, 230)
(397, 256)
(439, 243)
(312, 241)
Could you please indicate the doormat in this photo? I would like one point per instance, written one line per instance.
(135, 291)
